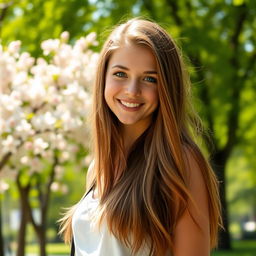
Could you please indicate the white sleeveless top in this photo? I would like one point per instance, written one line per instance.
(91, 241)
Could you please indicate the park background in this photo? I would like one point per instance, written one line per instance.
(40, 177)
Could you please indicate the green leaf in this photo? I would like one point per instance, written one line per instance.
(238, 2)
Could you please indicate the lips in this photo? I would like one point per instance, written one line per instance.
(130, 106)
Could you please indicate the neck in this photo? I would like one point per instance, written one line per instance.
(130, 134)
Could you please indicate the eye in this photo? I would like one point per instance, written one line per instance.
(120, 74)
(150, 79)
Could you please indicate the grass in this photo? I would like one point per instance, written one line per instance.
(52, 249)
(240, 248)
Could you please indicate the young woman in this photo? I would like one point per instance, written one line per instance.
(150, 189)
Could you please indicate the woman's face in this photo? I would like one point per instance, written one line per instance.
(131, 85)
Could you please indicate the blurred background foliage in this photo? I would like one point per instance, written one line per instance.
(218, 40)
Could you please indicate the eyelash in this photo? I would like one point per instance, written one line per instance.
(120, 74)
(149, 79)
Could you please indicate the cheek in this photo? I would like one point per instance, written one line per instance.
(110, 90)
(107, 95)
(152, 95)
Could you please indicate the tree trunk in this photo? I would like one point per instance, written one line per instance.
(1, 231)
(23, 222)
(42, 240)
(44, 207)
(219, 161)
(44, 198)
(40, 230)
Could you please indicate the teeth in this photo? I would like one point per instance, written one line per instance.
(129, 104)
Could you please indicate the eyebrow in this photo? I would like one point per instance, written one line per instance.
(125, 68)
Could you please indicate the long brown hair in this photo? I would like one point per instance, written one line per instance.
(142, 197)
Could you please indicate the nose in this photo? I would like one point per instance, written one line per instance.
(133, 87)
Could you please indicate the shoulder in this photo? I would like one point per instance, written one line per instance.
(195, 219)
(195, 168)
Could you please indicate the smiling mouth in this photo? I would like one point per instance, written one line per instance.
(130, 104)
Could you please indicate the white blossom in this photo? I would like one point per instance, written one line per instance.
(3, 186)
(39, 145)
(44, 104)
(55, 186)
(64, 36)
(24, 160)
(24, 129)
(10, 144)
(14, 47)
(50, 46)
(25, 61)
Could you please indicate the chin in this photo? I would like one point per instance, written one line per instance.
(127, 122)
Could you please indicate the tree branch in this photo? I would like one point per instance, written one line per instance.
(233, 116)
(174, 7)
(205, 97)
(247, 73)
(4, 160)
(4, 7)
(6, 157)
(45, 201)
(250, 67)
(24, 191)
(149, 6)
(197, 63)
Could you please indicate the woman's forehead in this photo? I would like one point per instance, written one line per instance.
(131, 56)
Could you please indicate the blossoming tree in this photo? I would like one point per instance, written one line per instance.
(44, 107)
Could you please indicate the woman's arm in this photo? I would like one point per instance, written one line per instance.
(189, 239)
